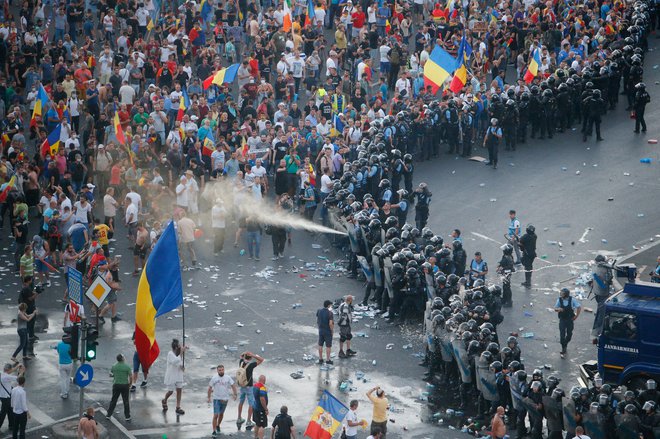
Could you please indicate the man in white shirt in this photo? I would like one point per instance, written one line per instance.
(135, 198)
(219, 388)
(182, 193)
(8, 382)
(217, 161)
(126, 94)
(19, 406)
(131, 218)
(352, 422)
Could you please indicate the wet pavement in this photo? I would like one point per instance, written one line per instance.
(562, 186)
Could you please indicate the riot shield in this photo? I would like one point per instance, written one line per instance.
(594, 425)
(568, 413)
(378, 275)
(514, 388)
(462, 360)
(387, 276)
(366, 268)
(489, 385)
(429, 285)
(552, 408)
(446, 349)
(352, 235)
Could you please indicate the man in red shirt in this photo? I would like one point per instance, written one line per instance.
(358, 21)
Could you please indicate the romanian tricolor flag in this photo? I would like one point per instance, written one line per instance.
(6, 188)
(208, 146)
(311, 13)
(460, 75)
(182, 109)
(159, 292)
(438, 68)
(287, 20)
(494, 16)
(609, 29)
(388, 26)
(150, 25)
(533, 68)
(52, 143)
(40, 105)
(327, 417)
(222, 76)
(204, 9)
(119, 132)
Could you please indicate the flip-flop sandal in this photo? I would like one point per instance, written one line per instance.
(164, 404)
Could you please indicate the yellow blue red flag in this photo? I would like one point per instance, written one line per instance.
(438, 68)
(327, 417)
(159, 292)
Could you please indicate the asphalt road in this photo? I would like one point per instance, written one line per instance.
(540, 180)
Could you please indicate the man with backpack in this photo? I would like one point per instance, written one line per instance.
(246, 364)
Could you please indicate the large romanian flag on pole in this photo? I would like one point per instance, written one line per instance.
(438, 68)
(222, 76)
(327, 417)
(533, 68)
(159, 292)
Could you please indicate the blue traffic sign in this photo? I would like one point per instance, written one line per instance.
(75, 285)
(84, 375)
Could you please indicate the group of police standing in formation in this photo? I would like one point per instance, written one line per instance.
(550, 104)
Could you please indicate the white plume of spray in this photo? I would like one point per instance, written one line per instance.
(239, 201)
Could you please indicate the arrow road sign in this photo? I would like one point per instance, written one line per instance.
(84, 375)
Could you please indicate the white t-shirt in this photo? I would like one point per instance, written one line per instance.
(182, 195)
(325, 184)
(221, 386)
(219, 159)
(173, 372)
(131, 210)
(81, 212)
(259, 171)
(351, 416)
(8, 381)
(218, 217)
(135, 198)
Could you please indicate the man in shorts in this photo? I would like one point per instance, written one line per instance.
(219, 388)
(326, 324)
(246, 365)
(141, 248)
(111, 299)
(260, 415)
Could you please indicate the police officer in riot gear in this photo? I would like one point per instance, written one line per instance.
(492, 141)
(423, 199)
(510, 124)
(451, 122)
(505, 268)
(568, 310)
(601, 284)
(527, 245)
(642, 98)
(595, 108)
(466, 125)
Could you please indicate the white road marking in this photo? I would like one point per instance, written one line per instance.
(487, 238)
(584, 235)
(39, 416)
(118, 424)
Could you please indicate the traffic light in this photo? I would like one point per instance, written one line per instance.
(91, 344)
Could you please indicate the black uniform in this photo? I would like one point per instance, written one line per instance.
(527, 245)
(641, 99)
